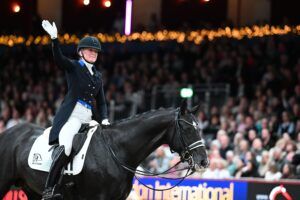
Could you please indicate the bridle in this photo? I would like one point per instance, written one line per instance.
(185, 155)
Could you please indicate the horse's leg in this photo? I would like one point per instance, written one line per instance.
(7, 178)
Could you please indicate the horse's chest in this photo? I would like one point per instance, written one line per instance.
(104, 188)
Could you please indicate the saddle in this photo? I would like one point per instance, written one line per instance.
(41, 154)
(77, 143)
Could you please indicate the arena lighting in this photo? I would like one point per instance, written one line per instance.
(16, 7)
(196, 36)
(205, 1)
(186, 92)
(106, 3)
(128, 17)
(86, 2)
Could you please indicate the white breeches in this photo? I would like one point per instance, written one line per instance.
(79, 115)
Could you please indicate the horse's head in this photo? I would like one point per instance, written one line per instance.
(186, 138)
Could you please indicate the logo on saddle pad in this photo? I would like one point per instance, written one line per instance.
(37, 159)
(40, 154)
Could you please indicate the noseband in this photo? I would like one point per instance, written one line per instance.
(186, 153)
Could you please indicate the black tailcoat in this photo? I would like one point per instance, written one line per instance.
(82, 85)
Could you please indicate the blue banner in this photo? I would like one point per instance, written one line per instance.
(191, 189)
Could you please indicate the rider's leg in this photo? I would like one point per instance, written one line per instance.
(67, 133)
(66, 136)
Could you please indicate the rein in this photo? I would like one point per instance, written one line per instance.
(185, 155)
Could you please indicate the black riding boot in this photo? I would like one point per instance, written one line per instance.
(51, 188)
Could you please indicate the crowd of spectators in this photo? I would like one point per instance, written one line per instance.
(256, 132)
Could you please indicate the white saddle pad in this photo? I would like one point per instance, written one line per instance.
(40, 153)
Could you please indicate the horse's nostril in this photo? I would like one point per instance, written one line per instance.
(205, 163)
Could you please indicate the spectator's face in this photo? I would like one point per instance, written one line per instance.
(264, 123)
(244, 145)
(224, 141)
(298, 125)
(286, 169)
(201, 116)
(261, 106)
(214, 146)
(277, 155)
(224, 126)
(160, 152)
(296, 109)
(297, 90)
(15, 114)
(289, 147)
(249, 156)
(214, 110)
(265, 134)
(6, 113)
(229, 156)
(237, 138)
(289, 156)
(220, 164)
(89, 54)
(265, 158)
(215, 154)
(233, 125)
(257, 144)
(215, 120)
(273, 168)
(29, 117)
(285, 117)
(213, 164)
(249, 121)
(251, 135)
(2, 125)
(298, 137)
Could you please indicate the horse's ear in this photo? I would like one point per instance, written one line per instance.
(183, 107)
(195, 109)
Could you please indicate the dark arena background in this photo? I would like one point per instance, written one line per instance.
(238, 59)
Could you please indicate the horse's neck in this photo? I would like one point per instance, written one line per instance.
(136, 142)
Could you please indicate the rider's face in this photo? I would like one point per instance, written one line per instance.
(90, 54)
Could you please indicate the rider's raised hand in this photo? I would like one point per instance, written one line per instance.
(50, 29)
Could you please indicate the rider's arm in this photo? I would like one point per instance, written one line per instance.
(62, 61)
(101, 103)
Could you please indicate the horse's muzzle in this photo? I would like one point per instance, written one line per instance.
(202, 165)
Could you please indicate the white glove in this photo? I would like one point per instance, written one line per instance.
(50, 29)
(105, 122)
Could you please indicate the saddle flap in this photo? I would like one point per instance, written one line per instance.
(78, 142)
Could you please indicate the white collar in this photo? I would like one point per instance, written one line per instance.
(89, 66)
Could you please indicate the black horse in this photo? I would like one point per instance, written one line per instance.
(103, 177)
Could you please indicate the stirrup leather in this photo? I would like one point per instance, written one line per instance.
(52, 194)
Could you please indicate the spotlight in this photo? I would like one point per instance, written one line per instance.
(86, 2)
(16, 7)
(106, 3)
